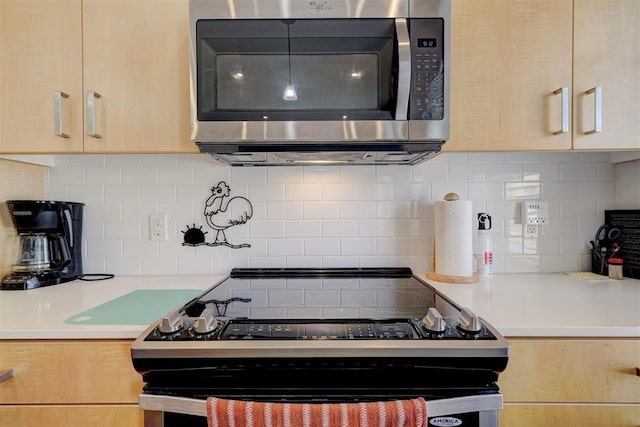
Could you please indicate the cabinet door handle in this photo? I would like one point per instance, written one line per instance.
(91, 113)
(597, 102)
(58, 96)
(564, 109)
(638, 371)
(5, 375)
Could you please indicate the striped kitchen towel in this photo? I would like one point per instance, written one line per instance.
(238, 413)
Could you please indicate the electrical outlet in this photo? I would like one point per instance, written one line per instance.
(158, 226)
(535, 212)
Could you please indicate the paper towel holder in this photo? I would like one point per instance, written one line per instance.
(449, 197)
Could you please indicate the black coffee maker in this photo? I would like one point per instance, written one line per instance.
(50, 239)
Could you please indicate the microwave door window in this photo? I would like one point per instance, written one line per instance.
(321, 82)
(333, 74)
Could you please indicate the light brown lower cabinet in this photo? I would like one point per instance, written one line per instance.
(571, 382)
(69, 383)
(70, 415)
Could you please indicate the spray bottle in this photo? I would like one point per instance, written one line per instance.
(484, 253)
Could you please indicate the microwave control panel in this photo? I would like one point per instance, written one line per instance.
(426, 101)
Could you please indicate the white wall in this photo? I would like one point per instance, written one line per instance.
(331, 216)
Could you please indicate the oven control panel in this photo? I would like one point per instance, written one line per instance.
(183, 328)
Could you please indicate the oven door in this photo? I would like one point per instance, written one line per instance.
(468, 411)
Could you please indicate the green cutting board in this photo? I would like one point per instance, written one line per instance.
(140, 307)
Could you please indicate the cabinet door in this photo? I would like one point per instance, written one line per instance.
(136, 60)
(607, 56)
(507, 60)
(41, 53)
(69, 372)
(71, 415)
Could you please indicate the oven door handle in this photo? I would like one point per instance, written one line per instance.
(435, 408)
(404, 69)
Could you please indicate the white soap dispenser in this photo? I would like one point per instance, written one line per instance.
(484, 253)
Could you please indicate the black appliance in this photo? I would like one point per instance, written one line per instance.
(50, 236)
(321, 335)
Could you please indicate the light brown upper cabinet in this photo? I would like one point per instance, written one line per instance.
(526, 77)
(121, 68)
(508, 59)
(606, 74)
(40, 76)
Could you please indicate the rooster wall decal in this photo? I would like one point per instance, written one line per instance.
(221, 213)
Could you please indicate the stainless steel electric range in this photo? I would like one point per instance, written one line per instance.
(321, 335)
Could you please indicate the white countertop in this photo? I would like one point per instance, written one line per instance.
(41, 313)
(551, 305)
(518, 305)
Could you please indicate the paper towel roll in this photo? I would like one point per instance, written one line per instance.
(454, 238)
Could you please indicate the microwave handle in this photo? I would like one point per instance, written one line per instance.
(404, 68)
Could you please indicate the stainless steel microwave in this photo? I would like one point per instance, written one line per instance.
(283, 82)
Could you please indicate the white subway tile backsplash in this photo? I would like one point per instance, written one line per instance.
(267, 193)
(322, 210)
(303, 192)
(157, 193)
(319, 174)
(85, 193)
(176, 175)
(309, 228)
(357, 210)
(357, 246)
(285, 210)
(393, 174)
(331, 216)
(284, 175)
(266, 229)
(104, 176)
(361, 174)
(66, 176)
(339, 191)
(375, 192)
(319, 247)
(139, 176)
(285, 247)
(121, 193)
(340, 228)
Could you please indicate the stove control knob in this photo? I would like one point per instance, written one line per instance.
(468, 322)
(433, 321)
(171, 323)
(206, 322)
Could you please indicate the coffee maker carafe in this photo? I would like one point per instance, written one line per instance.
(50, 240)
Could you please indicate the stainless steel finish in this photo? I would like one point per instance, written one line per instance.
(597, 102)
(212, 136)
(311, 348)
(564, 109)
(288, 9)
(469, 321)
(206, 322)
(6, 375)
(420, 130)
(436, 408)
(404, 69)
(302, 132)
(57, 112)
(170, 323)
(362, 155)
(92, 97)
(433, 321)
